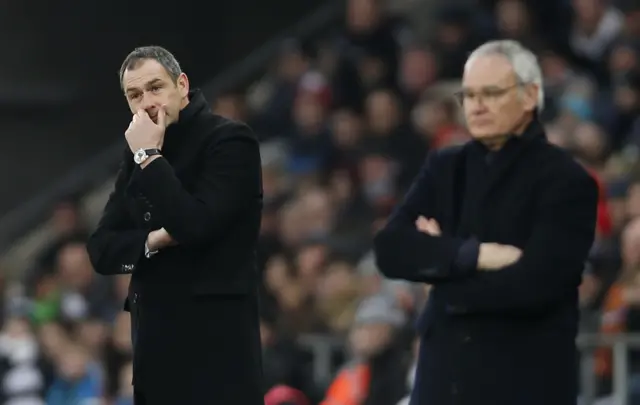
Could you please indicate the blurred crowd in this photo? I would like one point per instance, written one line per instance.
(346, 121)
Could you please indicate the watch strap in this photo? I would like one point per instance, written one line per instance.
(152, 152)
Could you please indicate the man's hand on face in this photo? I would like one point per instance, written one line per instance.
(494, 256)
(144, 133)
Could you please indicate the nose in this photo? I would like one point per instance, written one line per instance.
(148, 103)
(476, 107)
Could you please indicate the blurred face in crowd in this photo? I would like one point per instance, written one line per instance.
(554, 68)
(590, 140)
(74, 266)
(346, 129)
(430, 115)
(362, 15)
(291, 65)
(632, 23)
(53, 339)
(383, 112)
(588, 12)
(66, 218)
(377, 176)
(148, 86)
(73, 364)
(230, 106)
(625, 98)
(310, 262)
(418, 70)
(16, 328)
(557, 136)
(370, 339)
(513, 18)
(341, 186)
(277, 274)
(494, 103)
(292, 226)
(339, 281)
(93, 335)
(372, 71)
(308, 112)
(317, 211)
(623, 59)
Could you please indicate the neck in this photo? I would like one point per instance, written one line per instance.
(496, 142)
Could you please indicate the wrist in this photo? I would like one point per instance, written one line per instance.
(152, 241)
(482, 254)
(149, 160)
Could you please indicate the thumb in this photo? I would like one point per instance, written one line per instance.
(162, 116)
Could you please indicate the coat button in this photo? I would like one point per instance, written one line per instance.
(147, 216)
(466, 339)
(135, 298)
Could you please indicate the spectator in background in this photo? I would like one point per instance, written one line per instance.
(25, 373)
(79, 380)
(377, 373)
(284, 362)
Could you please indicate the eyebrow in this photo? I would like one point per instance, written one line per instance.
(147, 84)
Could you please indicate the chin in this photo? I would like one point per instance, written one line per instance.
(483, 133)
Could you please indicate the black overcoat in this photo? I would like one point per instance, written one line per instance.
(194, 306)
(505, 337)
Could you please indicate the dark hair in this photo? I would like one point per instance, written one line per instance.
(157, 53)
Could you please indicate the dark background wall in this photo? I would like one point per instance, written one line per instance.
(59, 95)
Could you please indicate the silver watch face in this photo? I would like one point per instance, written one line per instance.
(140, 156)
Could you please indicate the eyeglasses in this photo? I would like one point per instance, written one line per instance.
(487, 94)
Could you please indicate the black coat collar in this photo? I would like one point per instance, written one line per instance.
(177, 132)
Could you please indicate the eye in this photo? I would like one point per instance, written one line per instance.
(134, 96)
(155, 89)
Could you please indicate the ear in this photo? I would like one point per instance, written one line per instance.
(183, 85)
(530, 97)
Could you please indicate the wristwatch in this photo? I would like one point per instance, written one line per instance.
(143, 154)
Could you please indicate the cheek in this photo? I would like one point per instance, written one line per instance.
(508, 113)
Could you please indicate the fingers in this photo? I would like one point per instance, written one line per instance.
(162, 116)
(428, 226)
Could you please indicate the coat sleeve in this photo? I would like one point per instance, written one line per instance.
(405, 253)
(230, 182)
(116, 247)
(550, 269)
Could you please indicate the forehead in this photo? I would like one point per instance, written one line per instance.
(488, 70)
(142, 73)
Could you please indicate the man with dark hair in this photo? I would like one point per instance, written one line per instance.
(183, 220)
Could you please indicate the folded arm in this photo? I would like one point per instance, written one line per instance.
(552, 262)
(229, 182)
(115, 247)
(403, 252)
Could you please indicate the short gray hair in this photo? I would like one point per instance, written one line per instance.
(524, 62)
(157, 53)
